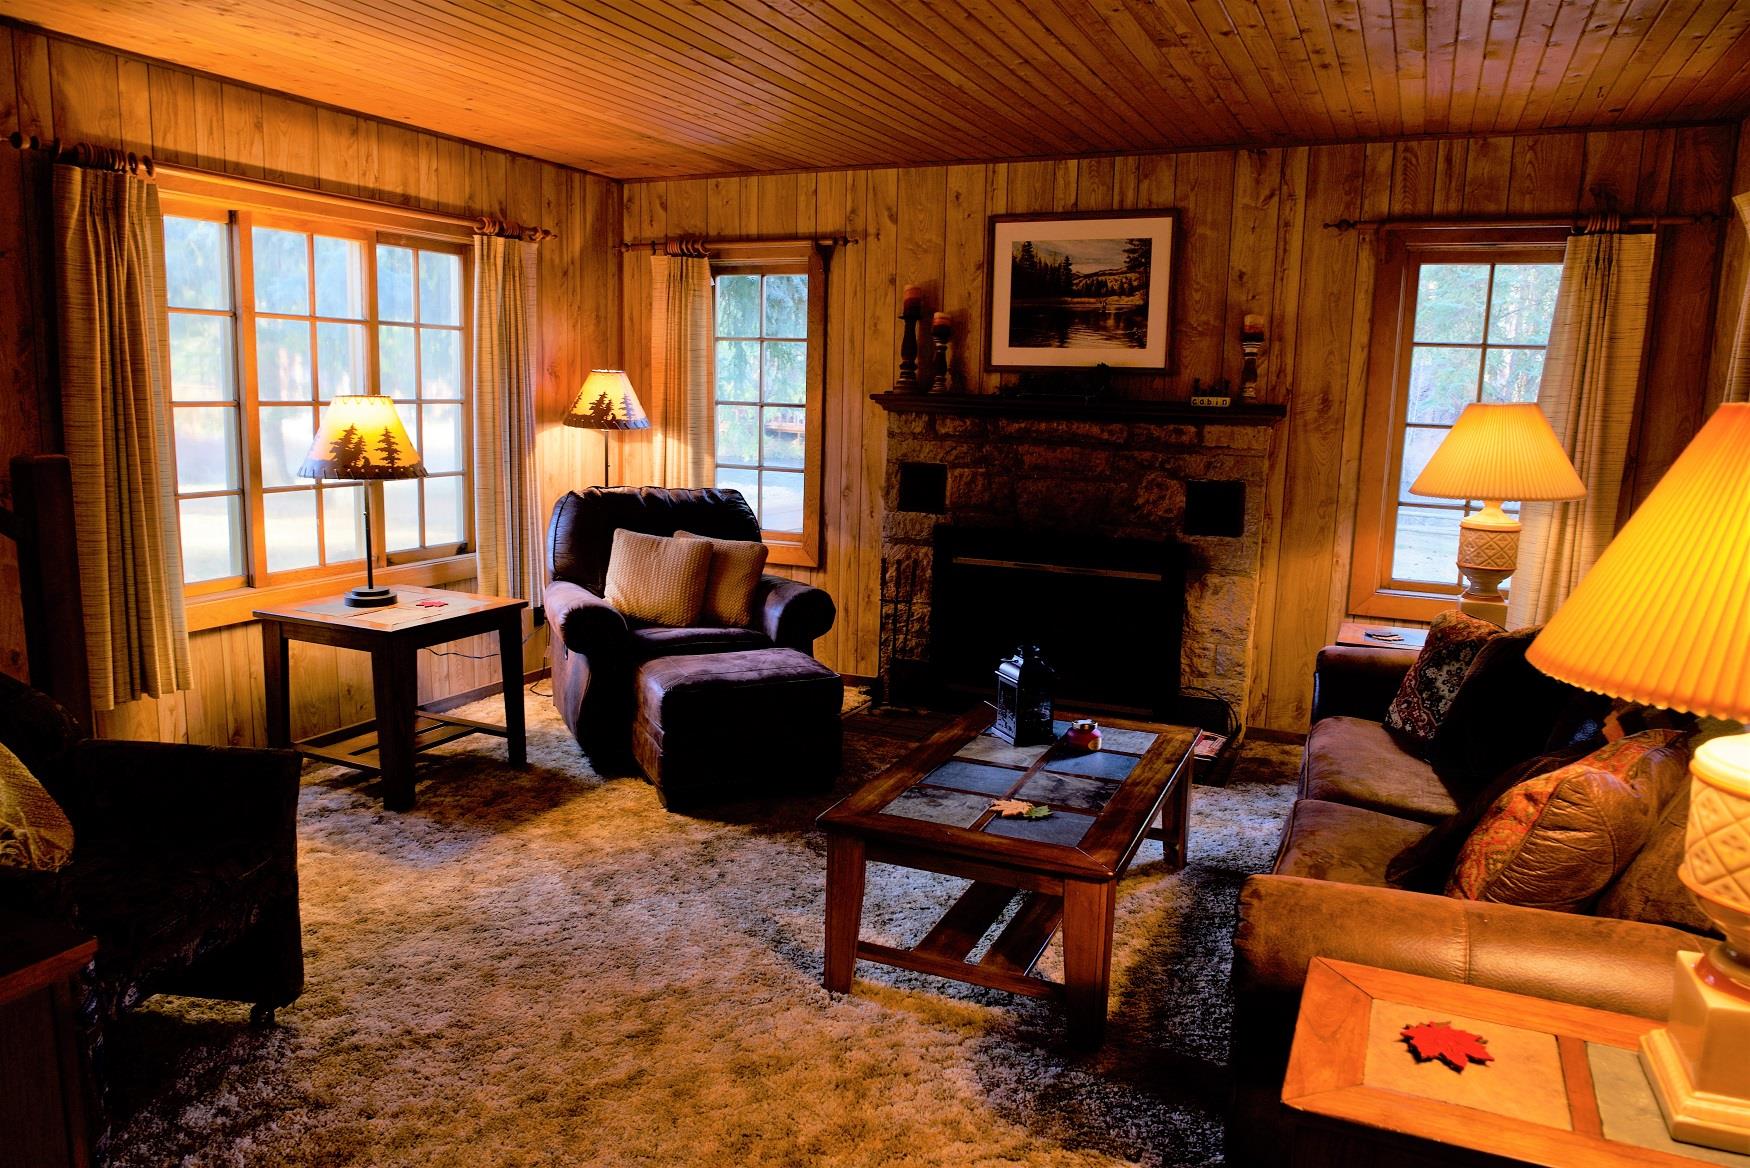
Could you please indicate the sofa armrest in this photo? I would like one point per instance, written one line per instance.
(1357, 682)
(587, 624)
(166, 792)
(793, 614)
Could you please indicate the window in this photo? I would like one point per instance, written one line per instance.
(769, 323)
(270, 318)
(1456, 321)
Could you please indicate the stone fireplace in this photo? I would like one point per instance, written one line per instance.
(1132, 527)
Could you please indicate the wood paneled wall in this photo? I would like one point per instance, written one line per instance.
(52, 87)
(1252, 240)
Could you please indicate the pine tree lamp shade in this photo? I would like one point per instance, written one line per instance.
(1663, 618)
(606, 402)
(362, 438)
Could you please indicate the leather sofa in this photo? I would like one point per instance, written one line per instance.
(1363, 800)
(596, 651)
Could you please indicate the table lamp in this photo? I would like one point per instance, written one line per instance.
(606, 402)
(1663, 618)
(1495, 451)
(361, 437)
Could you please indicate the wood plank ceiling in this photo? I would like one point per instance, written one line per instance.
(662, 88)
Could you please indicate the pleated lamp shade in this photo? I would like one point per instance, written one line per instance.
(1663, 617)
(362, 437)
(1500, 451)
(607, 401)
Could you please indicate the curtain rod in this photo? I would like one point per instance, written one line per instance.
(1577, 226)
(144, 167)
(698, 245)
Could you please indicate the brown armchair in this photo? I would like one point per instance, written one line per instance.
(595, 650)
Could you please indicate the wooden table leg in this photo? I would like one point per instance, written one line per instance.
(1087, 956)
(275, 670)
(510, 662)
(395, 683)
(1176, 847)
(844, 909)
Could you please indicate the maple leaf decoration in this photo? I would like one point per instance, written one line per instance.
(1019, 808)
(1441, 1040)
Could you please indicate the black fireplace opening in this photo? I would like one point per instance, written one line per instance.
(1107, 613)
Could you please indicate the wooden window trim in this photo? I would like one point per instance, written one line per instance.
(1372, 591)
(787, 548)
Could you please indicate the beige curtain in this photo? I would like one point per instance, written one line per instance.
(1738, 372)
(114, 372)
(507, 515)
(1590, 379)
(681, 344)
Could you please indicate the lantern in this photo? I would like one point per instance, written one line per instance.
(1024, 684)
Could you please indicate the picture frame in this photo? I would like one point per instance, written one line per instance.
(1072, 290)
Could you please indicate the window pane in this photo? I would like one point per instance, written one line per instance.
(738, 434)
(1450, 301)
(340, 352)
(787, 372)
(401, 514)
(394, 283)
(289, 526)
(212, 538)
(781, 500)
(738, 306)
(200, 358)
(282, 360)
(443, 510)
(786, 306)
(440, 288)
(738, 370)
(1426, 546)
(286, 434)
(441, 438)
(206, 448)
(440, 362)
(1442, 382)
(1525, 303)
(781, 440)
(343, 524)
(1419, 446)
(340, 277)
(1512, 375)
(745, 481)
(197, 263)
(395, 352)
(282, 271)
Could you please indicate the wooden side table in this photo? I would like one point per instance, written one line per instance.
(393, 636)
(43, 1108)
(1355, 633)
(1565, 1087)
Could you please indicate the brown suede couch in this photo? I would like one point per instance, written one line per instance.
(1363, 800)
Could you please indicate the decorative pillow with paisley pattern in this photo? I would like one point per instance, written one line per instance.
(1454, 640)
(34, 832)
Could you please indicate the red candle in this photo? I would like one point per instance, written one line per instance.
(911, 294)
(941, 318)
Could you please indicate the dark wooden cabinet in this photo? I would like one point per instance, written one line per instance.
(43, 1111)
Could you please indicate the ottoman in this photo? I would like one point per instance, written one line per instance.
(720, 726)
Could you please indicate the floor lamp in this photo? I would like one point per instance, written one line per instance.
(361, 438)
(606, 402)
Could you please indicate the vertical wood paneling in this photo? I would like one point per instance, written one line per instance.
(50, 87)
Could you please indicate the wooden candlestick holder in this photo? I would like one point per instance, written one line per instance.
(943, 332)
(911, 313)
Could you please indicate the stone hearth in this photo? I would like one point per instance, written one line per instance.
(1120, 474)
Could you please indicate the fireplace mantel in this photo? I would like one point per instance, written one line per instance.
(1079, 409)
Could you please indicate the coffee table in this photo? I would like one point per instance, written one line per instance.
(931, 811)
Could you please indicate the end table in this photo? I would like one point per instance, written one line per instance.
(43, 1081)
(393, 636)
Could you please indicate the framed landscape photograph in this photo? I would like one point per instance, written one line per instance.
(1071, 291)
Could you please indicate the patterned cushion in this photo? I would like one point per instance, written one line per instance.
(1649, 890)
(1558, 839)
(1454, 640)
(658, 579)
(34, 832)
(736, 567)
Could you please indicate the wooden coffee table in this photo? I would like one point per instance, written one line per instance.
(931, 811)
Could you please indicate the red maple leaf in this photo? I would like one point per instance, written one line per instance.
(1440, 1040)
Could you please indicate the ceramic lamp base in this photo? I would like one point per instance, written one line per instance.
(1488, 551)
(1696, 1065)
(370, 598)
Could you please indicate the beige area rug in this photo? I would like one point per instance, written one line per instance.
(545, 968)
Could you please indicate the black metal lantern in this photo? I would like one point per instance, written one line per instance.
(1024, 684)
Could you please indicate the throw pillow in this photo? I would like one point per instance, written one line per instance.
(1649, 890)
(1558, 839)
(657, 579)
(736, 568)
(1454, 640)
(1501, 715)
(34, 832)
